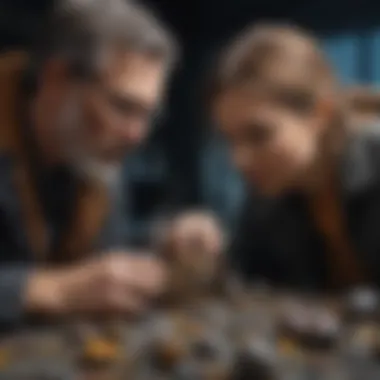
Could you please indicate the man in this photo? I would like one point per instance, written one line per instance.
(312, 217)
(69, 112)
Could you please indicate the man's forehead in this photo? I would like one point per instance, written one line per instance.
(130, 61)
(133, 72)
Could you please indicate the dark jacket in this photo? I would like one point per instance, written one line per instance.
(31, 229)
(277, 241)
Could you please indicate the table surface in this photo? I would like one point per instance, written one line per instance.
(258, 334)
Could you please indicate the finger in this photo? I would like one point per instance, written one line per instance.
(126, 302)
(152, 280)
(120, 267)
(145, 275)
(134, 303)
(113, 298)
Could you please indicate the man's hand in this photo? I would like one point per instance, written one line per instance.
(115, 283)
(193, 233)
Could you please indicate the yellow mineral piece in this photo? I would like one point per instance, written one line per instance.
(101, 349)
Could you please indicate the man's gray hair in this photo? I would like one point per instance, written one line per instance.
(80, 30)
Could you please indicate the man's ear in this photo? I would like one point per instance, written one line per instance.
(55, 74)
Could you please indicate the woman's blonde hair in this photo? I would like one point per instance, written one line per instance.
(279, 60)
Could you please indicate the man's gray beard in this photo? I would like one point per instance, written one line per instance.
(83, 164)
(94, 170)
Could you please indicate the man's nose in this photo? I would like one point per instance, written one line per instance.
(133, 134)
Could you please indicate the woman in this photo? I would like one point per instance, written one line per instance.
(312, 216)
